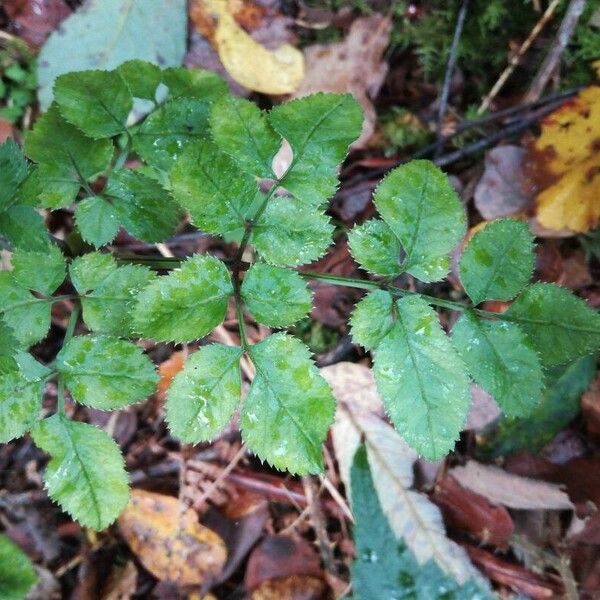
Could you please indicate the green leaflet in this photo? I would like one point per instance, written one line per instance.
(187, 304)
(384, 567)
(276, 297)
(28, 274)
(419, 204)
(143, 207)
(17, 575)
(372, 319)
(559, 405)
(165, 134)
(86, 474)
(87, 272)
(289, 407)
(98, 102)
(375, 247)
(498, 261)
(422, 382)
(8, 347)
(194, 83)
(21, 392)
(13, 170)
(51, 185)
(105, 372)
(142, 78)
(290, 233)
(319, 128)
(97, 220)
(241, 129)
(54, 141)
(203, 397)
(501, 360)
(561, 326)
(207, 183)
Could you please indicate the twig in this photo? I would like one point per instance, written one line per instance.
(449, 73)
(550, 63)
(514, 61)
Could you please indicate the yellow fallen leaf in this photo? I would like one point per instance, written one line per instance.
(278, 71)
(169, 541)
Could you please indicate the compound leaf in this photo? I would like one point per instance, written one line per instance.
(86, 474)
(291, 233)
(51, 185)
(561, 326)
(502, 361)
(165, 134)
(39, 271)
(241, 130)
(372, 319)
(187, 304)
(88, 271)
(142, 205)
(97, 102)
(204, 395)
(194, 83)
(142, 78)
(17, 575)
(105, 372)
(419, 204)
(498, 261)
(207, 183)
(422, 382)
(13, 170)
(375, 247)
(319, 129)
(276, 297)
(97, 220)
(289, 407)
(24, 227)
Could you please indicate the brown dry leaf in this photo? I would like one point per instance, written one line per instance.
(513, 491)
(34, 20)
(122, 583)
(168, 369)
(6, 130)
(249, 63)
(169, 541)
(354, 65)
(292, 588)
(567, 152)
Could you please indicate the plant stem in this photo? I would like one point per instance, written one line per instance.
(60, 407)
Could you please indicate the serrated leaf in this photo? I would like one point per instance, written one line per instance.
(375, 247)
(53, 140)
(241, 129)
(86, 474)
(422, 381)
(290, 233)
(17, 575)
(142, 78)
(27, 316)
(143, 207)
(498, 261)
(105, 372)
(187, 304)
(419, 204)
(20, 400)
(109, 307)
(97, 102)
(384, 566)
(207, 183)
(97, 220)
(289, 407)
(13, 170)
(372, 319)
(164, 135)
(203, 397)
(194, 83)
(88, 271)
(502, 361)
(114, 31)
(39, 271)
(276, 297)
(51, 185)
(23, 227)
(8, 348)
(319, 129)
(561, 326)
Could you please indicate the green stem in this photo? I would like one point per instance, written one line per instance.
(239, 311)
(68, 335)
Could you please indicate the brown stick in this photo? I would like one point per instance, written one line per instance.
(550, 64)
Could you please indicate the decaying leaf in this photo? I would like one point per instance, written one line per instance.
(354, 65)
(168, 369)
(414, 519)
(297, 587)
(169, 541)
(567, 154)
(506, 489)
(252, 65)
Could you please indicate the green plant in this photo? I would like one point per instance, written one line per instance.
(211, 154)
(17, 78)
(17, 574)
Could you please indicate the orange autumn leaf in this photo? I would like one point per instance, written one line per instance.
(168, 369)
(169, 541)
